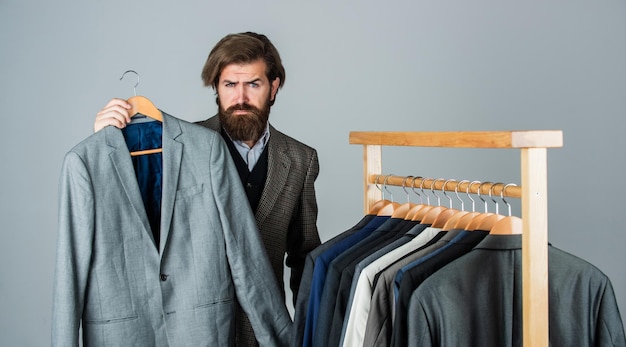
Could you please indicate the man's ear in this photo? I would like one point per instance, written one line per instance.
(275, 85)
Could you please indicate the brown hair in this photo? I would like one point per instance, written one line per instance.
(242, 48)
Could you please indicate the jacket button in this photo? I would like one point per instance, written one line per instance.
(163, 277)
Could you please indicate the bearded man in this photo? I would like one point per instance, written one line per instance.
(277, 171)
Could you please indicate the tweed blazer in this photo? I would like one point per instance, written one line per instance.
(125, 290)
(287, 212)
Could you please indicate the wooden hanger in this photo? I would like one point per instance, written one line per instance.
(438, 216)
(418, 214)
(464, 221)
(485, 220)
(403, 210)
(388, 209)
(444, 216)
(452, 221)
(447, 222)
(510, 225)
(377, 206)
(416, 208)
(142, 105)
(487, 223)
(474, 224)
(389, 206)
(430, 215)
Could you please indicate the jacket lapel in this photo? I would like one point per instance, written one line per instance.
(277, 173)
(172, 156)
(126, 175)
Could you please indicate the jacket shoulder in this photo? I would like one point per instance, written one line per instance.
(212, 123)
(290, 143)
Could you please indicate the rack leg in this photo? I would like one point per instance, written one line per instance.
(535, 247)
(372, 165)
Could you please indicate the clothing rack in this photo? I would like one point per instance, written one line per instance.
(533, 192)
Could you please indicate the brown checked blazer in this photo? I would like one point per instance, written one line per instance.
(287, 212)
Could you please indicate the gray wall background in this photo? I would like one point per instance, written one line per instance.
(366, 65)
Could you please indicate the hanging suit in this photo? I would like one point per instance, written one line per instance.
(415, 275)
(354, 325)
(346, 266)
(300, 308)
(125, 289)
(483, 305)
(379, 326)
(319, 274)
(333, 278)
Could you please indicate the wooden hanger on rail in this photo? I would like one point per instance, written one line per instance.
(381, 207)
(428, 215)
(452, 221)
(487, 223)
(447, 214)
(390, 206)
(475, 222)
(416, 208)
(465, 220)
(509, 225)
(418, 214)
(403, 210)
(140, 105)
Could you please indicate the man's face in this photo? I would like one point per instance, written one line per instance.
(244, 95)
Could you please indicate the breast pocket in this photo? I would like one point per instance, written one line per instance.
(187, 192)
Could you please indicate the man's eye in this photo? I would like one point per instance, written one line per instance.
(229, 85)
(253, 84)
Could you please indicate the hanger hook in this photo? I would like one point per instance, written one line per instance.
(413, 188)
(481, 198)
(492, 199)
(432, 190)
(502, 196)
(408, 195)
(136, 84)
(378, 187)
(385, 186)
(443, 189)
(456, 191)
(376, 182)
(467, 191)
(422, 189)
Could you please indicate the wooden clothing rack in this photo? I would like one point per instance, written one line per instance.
(533, 192)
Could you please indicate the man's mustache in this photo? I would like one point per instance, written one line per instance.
(242, 107)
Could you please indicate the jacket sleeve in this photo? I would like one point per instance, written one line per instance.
(610, 330)
(255, 286)
(74, 240)
(303, 235)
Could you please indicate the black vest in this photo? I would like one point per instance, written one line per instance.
(253, 181)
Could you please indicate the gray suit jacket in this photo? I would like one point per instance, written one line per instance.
(476, 300)
(109, 274)
(287, 211)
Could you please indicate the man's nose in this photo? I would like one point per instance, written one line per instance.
(242, 95)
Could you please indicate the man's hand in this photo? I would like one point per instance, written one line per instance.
(115, 113)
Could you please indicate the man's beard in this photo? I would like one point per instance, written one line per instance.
(244, 127)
